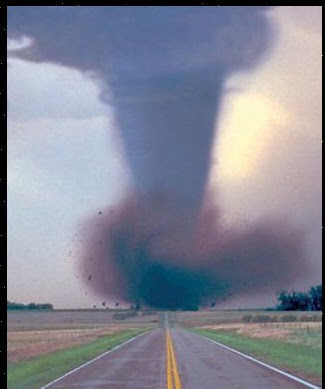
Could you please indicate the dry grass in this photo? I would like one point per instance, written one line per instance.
(277, 331)
(216, 317)
(31, 334)
(23, 345)
(54, 320)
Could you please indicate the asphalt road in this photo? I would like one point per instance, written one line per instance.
(171, 358)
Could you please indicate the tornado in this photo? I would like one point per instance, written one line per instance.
(163, 70)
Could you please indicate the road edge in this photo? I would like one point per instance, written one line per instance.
(270, 367)
(93, 360)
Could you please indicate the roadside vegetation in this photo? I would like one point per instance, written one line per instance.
(295, 347)
(41, 370)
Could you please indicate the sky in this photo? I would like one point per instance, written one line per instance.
(66, 160)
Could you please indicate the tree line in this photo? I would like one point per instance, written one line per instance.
(301, 301)
(30, 306)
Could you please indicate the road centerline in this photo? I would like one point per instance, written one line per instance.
(168, 365)
(173, 379)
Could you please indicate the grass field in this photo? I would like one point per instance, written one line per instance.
(293, 347)
(24, 345)
(31, 334)
(76, 319)
(203, 318)
(40, 370)
(307, 333)
(42, 345)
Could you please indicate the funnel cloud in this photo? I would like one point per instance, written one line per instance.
(163, 69)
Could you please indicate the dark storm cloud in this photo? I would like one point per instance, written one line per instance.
(164, 69)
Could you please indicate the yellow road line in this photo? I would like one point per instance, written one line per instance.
(177, 380)
(173, 380)
(169, 369)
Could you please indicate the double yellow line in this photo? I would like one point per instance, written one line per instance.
(173, 380)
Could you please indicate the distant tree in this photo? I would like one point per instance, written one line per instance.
(30, 306)
(117, 304)
(45, 306)
(315, 293)
(284, 299)
(301, 301)
(12, 305)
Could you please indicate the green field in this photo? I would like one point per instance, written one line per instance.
(299, 354)
(34, 373)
